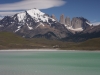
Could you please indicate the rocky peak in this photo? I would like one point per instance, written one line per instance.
(53, 16)
(67, 22)
(76, 23)
(79, 22)
(62, 19)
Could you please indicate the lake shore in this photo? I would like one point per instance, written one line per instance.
(43, 50)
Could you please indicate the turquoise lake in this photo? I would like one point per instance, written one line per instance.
(49, 63)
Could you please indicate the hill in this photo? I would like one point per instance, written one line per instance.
(12, 41)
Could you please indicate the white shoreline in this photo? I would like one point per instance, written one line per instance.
(28, 50)
(31, 50)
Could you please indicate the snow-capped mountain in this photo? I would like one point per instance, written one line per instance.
(33, 23)
(35, 14)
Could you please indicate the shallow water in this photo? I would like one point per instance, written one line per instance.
(49, 63)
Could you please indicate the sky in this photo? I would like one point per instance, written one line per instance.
(89, 9)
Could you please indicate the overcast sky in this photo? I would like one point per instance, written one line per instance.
(89, 9)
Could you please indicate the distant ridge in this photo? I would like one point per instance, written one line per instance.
(36, 24)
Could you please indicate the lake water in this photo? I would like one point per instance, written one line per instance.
(49, 63)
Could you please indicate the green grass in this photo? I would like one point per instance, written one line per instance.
(92, 44)
(12, 41)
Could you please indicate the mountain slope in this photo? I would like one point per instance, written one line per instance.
(35, 24)
(32, 23)
(91, 44)
(12, 41)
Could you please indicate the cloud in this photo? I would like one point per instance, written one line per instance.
(96, 23)
(8, 13)
(29, 4)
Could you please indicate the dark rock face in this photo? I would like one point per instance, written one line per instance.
(79, 22)
(62, 19)
(76, 23)
(68, 22)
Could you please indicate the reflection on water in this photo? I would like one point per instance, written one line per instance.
(49, 63)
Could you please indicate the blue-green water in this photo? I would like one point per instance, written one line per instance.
(49, 63)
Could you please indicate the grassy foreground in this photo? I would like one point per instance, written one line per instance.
(12, 41)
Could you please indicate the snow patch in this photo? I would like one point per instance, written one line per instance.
(11, 22)
(1, 26)
(17, 30)
(44, 19)
(77, 29)
(21, 16)
(30, 28)
(40, 25)
(19, 27)
(35, 12)
(65, 25)
(89, 23)
(14, 18)
(53, 19)
(74, 29)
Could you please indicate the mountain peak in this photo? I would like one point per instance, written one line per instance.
(35, 14)
(35, 11)
(62, 19)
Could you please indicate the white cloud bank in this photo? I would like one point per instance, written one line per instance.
(96, 23)
(29, 4)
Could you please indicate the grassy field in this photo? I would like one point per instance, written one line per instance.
(12, 41)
